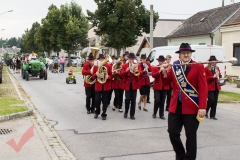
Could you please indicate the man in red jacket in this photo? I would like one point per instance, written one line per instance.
(89, 89)
(160, 90)
(130, 84)
(212, 74)
(102, 90)
(189, 98)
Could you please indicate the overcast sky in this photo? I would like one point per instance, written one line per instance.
(26, 12)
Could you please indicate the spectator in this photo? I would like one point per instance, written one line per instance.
(18, 64)
(50, 63)
(62, 63)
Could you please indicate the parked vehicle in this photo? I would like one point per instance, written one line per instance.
(201, 54)
(75, 60)
(1, 67)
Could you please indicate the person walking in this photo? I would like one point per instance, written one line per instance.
(169, 91)
(160, 90)
(188, 103)
(131, 84)
(62, 63)
(212, 74)
(89, 88)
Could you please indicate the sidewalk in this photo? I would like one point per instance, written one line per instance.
(32, 138)
(230, 88)
(34, 148)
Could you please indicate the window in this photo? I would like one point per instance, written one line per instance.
(202, 43)
(151, 55)
(236, 52)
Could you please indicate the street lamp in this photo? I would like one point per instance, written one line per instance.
(6, 12)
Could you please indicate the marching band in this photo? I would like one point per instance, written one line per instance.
(190, 88)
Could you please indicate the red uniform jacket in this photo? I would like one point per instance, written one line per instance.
(86, 71)
(196, 77)
(127, 76)
(157, 84)
(211, 81)
(144, 78)
(107, 85)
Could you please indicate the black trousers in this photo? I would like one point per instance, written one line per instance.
(159, 101)
(110, 96)
(169, 94)
(118, 99)
(175, 123)
(130, 96)
(212, 102)
(101, 96)
(90, 95)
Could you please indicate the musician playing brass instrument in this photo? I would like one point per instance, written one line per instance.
(130, 74)
(103, 74)
(89, 87)
(144, 81)
(212, 74)
(110, 92)
(116, 85)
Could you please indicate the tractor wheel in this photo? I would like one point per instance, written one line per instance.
(41, 75)
(45, 74)
(75, 81)
(67, 81)
(0, 80)
(23, 74)
(26, 75)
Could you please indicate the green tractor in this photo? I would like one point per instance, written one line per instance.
(34, 68)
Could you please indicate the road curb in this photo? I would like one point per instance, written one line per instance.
(235, 102)
(56, 151)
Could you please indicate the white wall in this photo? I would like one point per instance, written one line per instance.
(230, 35)
(193, 40)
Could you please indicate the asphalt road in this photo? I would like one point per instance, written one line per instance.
(124, 139)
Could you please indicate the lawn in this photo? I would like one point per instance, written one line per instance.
(75, 69)
(228, 96)
(9, 106)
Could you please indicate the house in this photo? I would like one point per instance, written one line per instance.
(231, 42)
(144, 47)
(203, 28)
(163, 28)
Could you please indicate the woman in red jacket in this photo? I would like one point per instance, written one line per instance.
(212, 74)
(144, 81)
(160, 91)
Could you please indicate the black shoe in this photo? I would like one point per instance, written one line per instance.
(132, 118)
(125, 115)
(95, 116)
(104, 118)
(145, 109)
(154, 115)
(162, 117)
(88, 112)
(139, 107)
(213, 118)
(167, 109)
(206, 116)
(148, 102)
(93, 111)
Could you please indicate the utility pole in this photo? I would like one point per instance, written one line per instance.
(151, 27)
(222, 3)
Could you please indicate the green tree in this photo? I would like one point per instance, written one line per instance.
(120, 22)
(12, 42)
(71, 28)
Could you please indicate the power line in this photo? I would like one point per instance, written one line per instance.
(174, 13)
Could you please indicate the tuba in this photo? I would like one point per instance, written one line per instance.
(88, 79)
(102, 69)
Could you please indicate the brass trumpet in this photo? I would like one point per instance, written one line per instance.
(133, 69)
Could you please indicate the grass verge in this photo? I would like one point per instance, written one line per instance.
(9, 106)
(228, 96)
